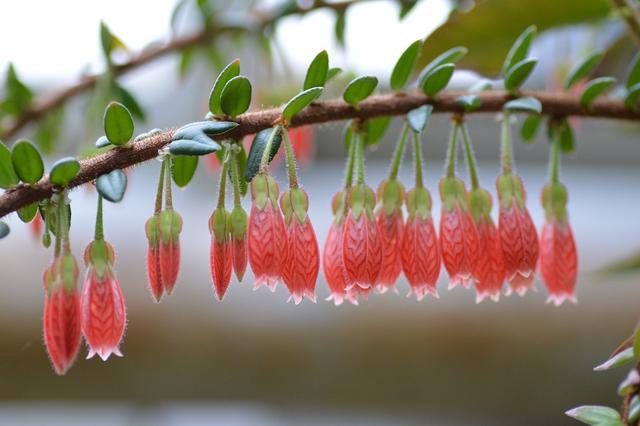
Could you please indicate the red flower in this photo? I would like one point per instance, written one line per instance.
(239, 249)
(170, 228)
(558, 254)
(103, 312)
(518, 235)
(35, 226)
(361, 242)
(220, 255)
(390, 226)
(61, 318)
(420, 252)
(267, 238)
(459, 241)
(152, 229)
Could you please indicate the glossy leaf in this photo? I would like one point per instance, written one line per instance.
(593, 89)
(27, 162)
(524, 104)
(451, 56)
(519, 73)
(419, 118)
(359, 89)
(112, 186)
(300, 102)
(621, 358)
(519, 50)
(257, 148)
(4, 230)
(404, 66)
(235, 97)
(633, 96)
(183, 168)
(18, 96)
(193, 147)
(596, 415)
(317, 72)
(374, 129)
(583, 68)
(530, 127)
(28, 213)
(437, 79)
(633, 75)
(230, 71)
(199, 129)
(118, 123)
(8, 176)
(332, 73)
(469, 102)
(102, 142)
(64, 171)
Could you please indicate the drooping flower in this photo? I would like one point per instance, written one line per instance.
(420, 251)
(61, 318)
(302, 260)
(220, 254)
(239, 249)
(518, 236)
(104, 316)
(154, 272)
(170, 228)
(390, 226)
(266, 234)
(36, 226)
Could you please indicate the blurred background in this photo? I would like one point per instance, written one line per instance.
(255, 359)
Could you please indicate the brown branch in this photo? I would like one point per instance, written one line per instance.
(554, 104)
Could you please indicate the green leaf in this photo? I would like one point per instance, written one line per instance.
(567, 140)
(596, 415)
(594, 88)
(633, 75)
(519, 50)
(18, 96)
(451, 56)
(406, 6)
(8, 177)
(64, 171)
(257, 148)
(200, 129)
(193, 147)
(518, 73)
(28, 213)
(632, 96)
(109, 42)
(317, 71)
(230, 71)
(583, 68)
(27, 162)
(469, 102)
(524, 104)
(332, 73)
(634, 409)
(374, 129)
(118, 124)
(621, 358)
(183, 167)
(340, 26)
(404, 66)
(241, 156)
(235, 97)
(359, 89)
(102, 142)
(437, 79)
(530, 127)
(4, 230)
(111, 186)
(49, 129)
(129, 101)
(419, 118)
(300, 102)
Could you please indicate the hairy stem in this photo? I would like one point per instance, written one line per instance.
(158, 205)
(351, 159)
(235, 177)
(291, 160)
(554, 165)
(451, 154)
(99, 235)
(505, 156)
(417, 152)
(168, 200)
(399, 152)
(471, 160)
(223, 180)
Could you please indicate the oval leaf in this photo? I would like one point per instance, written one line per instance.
(436, 80)
(582, 69)
(404, 67)
(300, 102)
(632, 97)
(317, 71)
(235, 97)
(621, 358)
(102, 142)
(197, 129)
(112, 186)
(230, 71)
(27, 162)
(118, 124)
(469, 102)
(530, 127)
(519, 50)
(332, 73)
(518, 73)
(451, 56)
(525, 104)
(596, 415)
(64, 170)
(4, 230)
(183, 167)
(374, 130)
(359, 89)
(8, 176)
(633, 76)
(419, 117)
(257, 148)
(191, 147)
(28, 213)
(595, 88)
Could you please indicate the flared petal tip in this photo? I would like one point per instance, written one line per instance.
(104, 353)
(62, 369)
(298, 297)
(463, 280)
(519, 290)
(270, 282)
(493, 295)
(559, 299)
(422, 291)
(382, 288)
(337, 299)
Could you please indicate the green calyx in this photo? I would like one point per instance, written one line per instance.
(419, 203)
(99, 254)
(219, 224)
(170, 226)
(264, 188)
(339, 207)
(239, 221)
(554, 202)
(453, 193)
(480, 204)
(294, 202)
(391, 196)
(510, 190)
(68, 272)
(362, 199)
(152, 229)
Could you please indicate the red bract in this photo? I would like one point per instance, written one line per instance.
(220, 254)
(518, 236)
(266, 234)
(61, 318)
(103, 312)
(390, 226)
(302, 262)
(170, 228)
(154, 272)
(458, 234)
(420, 252)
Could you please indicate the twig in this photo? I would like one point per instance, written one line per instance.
(631, 14)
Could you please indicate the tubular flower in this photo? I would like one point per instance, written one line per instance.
(170, 228)
(361, 242)
(518, 236)
(558, 254)
(489, 271)
(420, 252)
(239, 249)
(459, 240)
(103, 312)
(302, 260)
(61, 319)
(152, 229)
(220, 254)
(390, 226)
(267, 239)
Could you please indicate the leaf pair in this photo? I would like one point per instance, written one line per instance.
(517, 66)
(231, 92)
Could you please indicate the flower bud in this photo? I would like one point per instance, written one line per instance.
(390, 226)
(170, 228)
(239, 250)
(220, 254)
(154, 273)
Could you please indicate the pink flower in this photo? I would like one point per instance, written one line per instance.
(220, 254)
(390, 226)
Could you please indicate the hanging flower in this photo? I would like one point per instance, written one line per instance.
(220, 255)
(170, 228)
(390, 226)
(154, 273)
(239, 249)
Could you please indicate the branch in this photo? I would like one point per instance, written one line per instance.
(629, 12)
(554, 104)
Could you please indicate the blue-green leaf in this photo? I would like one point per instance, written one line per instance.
(404, 66)
(4, 230)
(524, 104)
(102, 142)
(419, 118)
(118, 124)
(359, 89)
(27, 162)
(64, 171)
(518, 74)
(583, 68)
(469, 102)
(300, 102)
(183, 167)
(8, 176)
(258, 146)
(235, 97)
(519, 50)
(437, 79)
(596, 415)
(317, 72)
(594, 88)
(193, 147)
(112, 186)
(195, 138)
(230, 71)
(621, 358)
